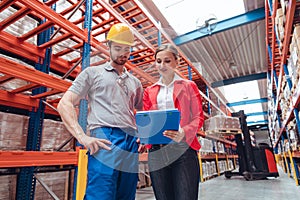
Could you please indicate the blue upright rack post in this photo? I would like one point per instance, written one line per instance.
(26, 181)
(83, 106)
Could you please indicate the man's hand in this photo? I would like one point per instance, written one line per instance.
(94, 144)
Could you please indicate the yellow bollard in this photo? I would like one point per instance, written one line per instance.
(81, 174)
(286, 164)
(201, 168)
(293, 167)
(227, 162)
(217, 164)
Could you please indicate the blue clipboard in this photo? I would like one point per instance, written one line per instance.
(151, 125)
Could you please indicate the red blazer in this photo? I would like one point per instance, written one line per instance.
(188, 101)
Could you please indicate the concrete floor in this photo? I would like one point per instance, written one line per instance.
(237, 187)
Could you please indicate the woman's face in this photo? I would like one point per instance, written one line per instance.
(165, 63)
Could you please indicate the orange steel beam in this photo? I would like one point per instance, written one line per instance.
(70, 9)
(46, 94)
(5, 4)
(22, 101)
(10, 159)
(19, 100)
(69, 50)
(25, 88)
(56, 40)
(33, 53)
(13, 18)
(34, 76)
(133, 8)
(36, 30)
(51, 15)
(5, 78)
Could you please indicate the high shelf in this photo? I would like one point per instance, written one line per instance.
(45, 44)
(282, 42)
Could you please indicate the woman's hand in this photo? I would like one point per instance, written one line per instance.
(176, 136)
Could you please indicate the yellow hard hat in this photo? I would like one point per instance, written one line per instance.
(121, 33)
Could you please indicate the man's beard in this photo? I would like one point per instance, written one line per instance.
(120, 62)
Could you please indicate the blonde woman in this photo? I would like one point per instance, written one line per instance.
(174, 168)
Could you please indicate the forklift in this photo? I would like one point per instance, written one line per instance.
(255, 162)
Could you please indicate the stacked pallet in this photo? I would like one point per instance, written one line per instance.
(13, 136)
(222, 125)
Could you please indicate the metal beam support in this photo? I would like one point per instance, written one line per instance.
(252, 101)
(249, 17)
(31, 52)
(10, 159)
(257, 122)
(240, 79)
(257, 114)
(17, 70)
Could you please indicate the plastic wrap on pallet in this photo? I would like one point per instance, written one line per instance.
(13, 131)
(206, 145)
(57, 181)
(55, 134)
(220, 123)
(8, 186)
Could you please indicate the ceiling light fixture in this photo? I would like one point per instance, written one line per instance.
(232, 66)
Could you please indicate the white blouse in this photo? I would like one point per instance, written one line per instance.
(165, 94)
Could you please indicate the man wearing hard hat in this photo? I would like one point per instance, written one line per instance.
(113, 94)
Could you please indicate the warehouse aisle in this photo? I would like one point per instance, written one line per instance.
(237, 187)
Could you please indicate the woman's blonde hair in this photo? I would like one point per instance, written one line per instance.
(167, 47)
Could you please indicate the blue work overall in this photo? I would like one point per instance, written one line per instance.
(113, 175)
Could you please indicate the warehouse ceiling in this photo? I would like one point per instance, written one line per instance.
(233, 51)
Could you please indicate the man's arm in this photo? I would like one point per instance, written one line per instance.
(67, 111)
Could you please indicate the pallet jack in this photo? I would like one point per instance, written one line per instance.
(255, 162)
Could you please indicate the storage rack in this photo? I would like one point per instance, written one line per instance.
(283, 110)
(56, 49)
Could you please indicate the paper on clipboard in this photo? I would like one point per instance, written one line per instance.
(152, 124)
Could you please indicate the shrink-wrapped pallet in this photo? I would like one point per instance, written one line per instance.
(58, 182)
(222, 124)
(13, 131)
(206, 145)
(8, 186)
(54, 135)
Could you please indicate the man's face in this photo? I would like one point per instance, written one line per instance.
(119, 53)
